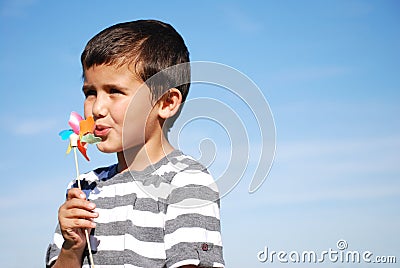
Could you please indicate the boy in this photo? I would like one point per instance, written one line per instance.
(156, 207)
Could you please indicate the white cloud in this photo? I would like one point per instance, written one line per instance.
(34, 126)
(333, 194)
(329, 171)
(306, 74)
(237, 18)
(15, 8)
(356, 9)
(28, 126)
(334, 170)
(357, 155)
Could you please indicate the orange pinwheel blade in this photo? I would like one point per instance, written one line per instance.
(86, 126)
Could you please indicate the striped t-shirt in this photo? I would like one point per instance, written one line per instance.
(164, 216)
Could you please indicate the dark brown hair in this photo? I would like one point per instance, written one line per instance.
(149, 46)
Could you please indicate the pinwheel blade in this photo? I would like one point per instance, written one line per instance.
(65, 134)
(90, 138)
(82, 149)
(74, 120)
(68, 149)
(86, 126)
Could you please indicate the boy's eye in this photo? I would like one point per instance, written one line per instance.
(90, 92)
(115, 91)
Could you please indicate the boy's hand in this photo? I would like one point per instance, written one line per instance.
(75, 215)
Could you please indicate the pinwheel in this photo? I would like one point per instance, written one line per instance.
(82, 127)
(79, 136)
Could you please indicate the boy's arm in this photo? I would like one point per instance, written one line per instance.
(74, 216)
(68, 257)
(192, 222)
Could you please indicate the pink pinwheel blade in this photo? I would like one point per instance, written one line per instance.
(74, 120)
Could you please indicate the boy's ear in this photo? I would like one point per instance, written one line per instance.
(169, 103)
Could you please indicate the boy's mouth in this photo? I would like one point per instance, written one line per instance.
(101, 131)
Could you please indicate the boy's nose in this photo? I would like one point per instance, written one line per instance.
(99, 109)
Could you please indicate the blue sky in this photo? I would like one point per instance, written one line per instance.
(328, 69)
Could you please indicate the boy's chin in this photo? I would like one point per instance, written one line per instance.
(106, 149)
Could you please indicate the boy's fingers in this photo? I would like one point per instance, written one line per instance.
(75, 193)
(79, 203)
(73, 224)
(80, 213)
(82, 223)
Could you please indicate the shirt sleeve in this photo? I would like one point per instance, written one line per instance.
(192, 222)
(54, 248)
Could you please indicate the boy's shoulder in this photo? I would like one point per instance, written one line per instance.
(182, 163)
(180, 169)
(191, 184)
(176, 175)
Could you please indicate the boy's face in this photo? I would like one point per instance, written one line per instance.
(109, 91)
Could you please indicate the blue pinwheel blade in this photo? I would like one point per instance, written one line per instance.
(65, 134)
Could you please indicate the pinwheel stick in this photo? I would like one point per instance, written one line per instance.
(74, 144)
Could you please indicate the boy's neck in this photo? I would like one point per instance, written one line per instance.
(140, 157)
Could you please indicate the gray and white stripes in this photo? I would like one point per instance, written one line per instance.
(164, 216)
